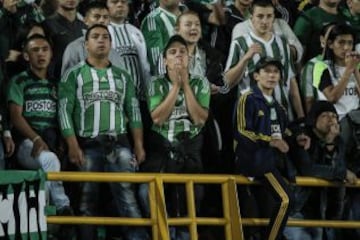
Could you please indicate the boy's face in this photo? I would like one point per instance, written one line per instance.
(98, 44)
(97, 16)
(190, 28)
(38, 53)
(324, 122)
(268, 77)
(262, 19)
(176, 56)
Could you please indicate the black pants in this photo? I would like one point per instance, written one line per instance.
(272, 199)
(181, 156)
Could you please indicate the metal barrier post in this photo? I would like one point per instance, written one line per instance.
(190, 197)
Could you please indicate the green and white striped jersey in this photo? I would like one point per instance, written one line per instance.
(179, 120)
(96, 102)
(157, 27)
(37, 98)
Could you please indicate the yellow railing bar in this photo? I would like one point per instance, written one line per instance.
(176, 178)
(153, 210)
(161, 210)
(236, 226)
(190, 200)
(226, 210)
(199, 221)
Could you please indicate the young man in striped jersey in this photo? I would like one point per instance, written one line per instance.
(96, 101)
(33, 113)
(179, 103)
(246, 50)
(157, 27)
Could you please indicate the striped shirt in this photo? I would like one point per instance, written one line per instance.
(157, 27)
(179, 120)
(277, 47)
(307, 78)
(96, 102)
(37, 98)
(129, 43)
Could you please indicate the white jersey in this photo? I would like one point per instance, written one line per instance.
(129, 43)
(350, 99)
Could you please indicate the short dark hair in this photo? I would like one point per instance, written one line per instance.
(261, 3)
(95, 5)
(34, 37)
(174, 38)
(96, 26)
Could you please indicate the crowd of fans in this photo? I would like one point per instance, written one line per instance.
(264, 88)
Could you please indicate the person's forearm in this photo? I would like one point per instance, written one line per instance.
(20, 123)
(233, 75)
(72, 141)
(138, 136)
(162, 112)
(338, 90)
(296, 99)
(197, 113)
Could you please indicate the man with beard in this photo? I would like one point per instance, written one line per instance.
(309, 24)
(64, 28)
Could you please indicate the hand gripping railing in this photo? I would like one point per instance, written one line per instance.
(159, 221)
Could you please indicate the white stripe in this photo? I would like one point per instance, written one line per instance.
(168, 25)
(171, 132)
(112, 104)
(122, 102)
(96, 124)
(64, 120)
(79, 93)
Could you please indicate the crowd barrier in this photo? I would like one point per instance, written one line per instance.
(159, 222)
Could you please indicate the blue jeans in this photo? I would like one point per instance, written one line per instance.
(118, 160)
(301, 233)
(48, 162)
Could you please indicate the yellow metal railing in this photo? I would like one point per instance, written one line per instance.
(159, 221)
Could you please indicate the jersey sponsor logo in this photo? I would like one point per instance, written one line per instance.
(275, 131)
(45, 105)
(350, 92)
(126, 50)
(102, 95)
(179, 113)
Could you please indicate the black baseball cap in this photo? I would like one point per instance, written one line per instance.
(173, 39)
(265, 61)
